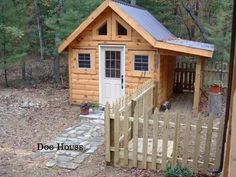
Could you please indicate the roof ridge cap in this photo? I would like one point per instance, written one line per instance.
(131, 5)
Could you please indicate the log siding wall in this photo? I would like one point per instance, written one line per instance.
(84, 86)
(166, 77)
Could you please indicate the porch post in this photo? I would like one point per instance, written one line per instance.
(197, 85)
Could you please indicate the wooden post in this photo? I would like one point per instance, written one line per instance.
(117, 134)
(107, 133)
(135, 138)
(133, 105)
(208, 144)
(176, 140)
(70, 58)
(232, 157)
(197, 144)
(155, 139)
(126, 135)
(219, 144)
(155, 95)
(186, 139)
(145, 134)
(165, 140)
(197, 85)
(110, 135)
(203, 74)
(229, 162)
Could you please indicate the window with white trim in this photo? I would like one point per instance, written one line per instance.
(84, 60)
(141, 63)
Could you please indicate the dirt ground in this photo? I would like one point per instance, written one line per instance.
(32, 115)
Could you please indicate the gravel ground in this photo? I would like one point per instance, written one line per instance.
(29, 116)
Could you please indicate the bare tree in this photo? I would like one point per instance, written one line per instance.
(40, 28)
(196, 20)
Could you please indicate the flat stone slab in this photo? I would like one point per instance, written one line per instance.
(68, 165)
(51, 163)
(90, 131)
(93, 116)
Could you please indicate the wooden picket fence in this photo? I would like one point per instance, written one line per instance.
(185, 74)
(216, 71)
(137, 137)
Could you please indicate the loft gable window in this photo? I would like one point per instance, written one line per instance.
(121, 30)
(84, 60)
(141, 63)
(103, 29)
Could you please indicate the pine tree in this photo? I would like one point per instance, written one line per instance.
(11, 37)
(63, 18)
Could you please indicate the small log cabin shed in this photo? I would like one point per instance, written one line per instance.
(118, 47)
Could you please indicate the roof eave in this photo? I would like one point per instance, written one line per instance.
(184, 49)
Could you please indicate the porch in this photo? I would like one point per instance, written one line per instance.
(181, 103)
(177, 76)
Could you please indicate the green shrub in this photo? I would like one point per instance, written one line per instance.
(177, 171)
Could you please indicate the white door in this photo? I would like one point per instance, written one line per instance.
(112, 74)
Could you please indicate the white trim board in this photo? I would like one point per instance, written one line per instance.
(100, 47)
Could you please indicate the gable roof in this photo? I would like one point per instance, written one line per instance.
(147, 26)
(146, 20)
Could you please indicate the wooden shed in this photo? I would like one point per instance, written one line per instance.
(118, 47)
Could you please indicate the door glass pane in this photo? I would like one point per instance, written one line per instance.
(113, 73)
(117, 73)
(108, 54)
(113, 55)
(108, 73)
(112, 65)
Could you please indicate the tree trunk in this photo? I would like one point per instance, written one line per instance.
(196, 20)
(56, 69)
(56, 61)
(4, 60)
(40, 28)
(23, 70)
(133, 2)
(5, 75)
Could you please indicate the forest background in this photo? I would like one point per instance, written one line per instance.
(31, 30)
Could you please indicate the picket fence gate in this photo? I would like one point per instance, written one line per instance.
(136, 135)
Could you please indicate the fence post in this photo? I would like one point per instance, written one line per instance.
(107, 134)
(133, 105)
(219, 143)
(176, 140)
(145, 133)
(126, 134)
(135, 137)
(186, 139)
(197, 144)
(155, 95)
(208, 144)
(155, 139)
(117, 133)
(165, 140)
